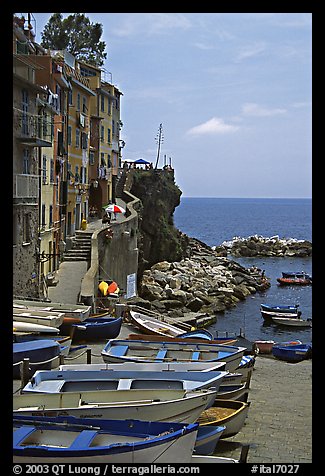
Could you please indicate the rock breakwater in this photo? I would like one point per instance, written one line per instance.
(202, 282)
(261, 246)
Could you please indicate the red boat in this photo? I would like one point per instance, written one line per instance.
(295, 278)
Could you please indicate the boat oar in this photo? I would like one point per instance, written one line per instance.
(56, 423)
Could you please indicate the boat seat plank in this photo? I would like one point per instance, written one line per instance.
(161, 354)
(21, 433)
(119, 350)
(84, 439)
(196, 355)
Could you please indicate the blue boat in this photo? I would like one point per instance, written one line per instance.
(207, 439)
(41, 354)
(97, 328)
(86, 440)
(197, 334)
(278, 309)
(292, 352)
(125, 350)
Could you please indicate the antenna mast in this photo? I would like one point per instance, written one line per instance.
(159, 140)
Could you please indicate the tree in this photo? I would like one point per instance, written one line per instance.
(77, 35)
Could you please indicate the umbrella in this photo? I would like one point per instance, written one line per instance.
(141, 161)
(112, 208)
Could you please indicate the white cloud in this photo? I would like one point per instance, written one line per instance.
(216, 125)
(253, 109)
(250, 51)
(146, 24)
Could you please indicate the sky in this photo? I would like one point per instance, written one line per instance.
(232, 91)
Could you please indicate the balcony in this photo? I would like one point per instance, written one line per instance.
(32, 129)
(26, 187)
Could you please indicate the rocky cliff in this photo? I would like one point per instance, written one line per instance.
(158, 239)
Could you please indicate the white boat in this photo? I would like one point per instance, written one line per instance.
(150, 325)
(34, 316)
(30, 327)
(75, 440)
(154, 367)
(79, 311)
(148, 405)
(201, 459)
(124, 350)
(90, 380)
(291, 322)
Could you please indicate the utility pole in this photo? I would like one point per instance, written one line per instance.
(159, 140)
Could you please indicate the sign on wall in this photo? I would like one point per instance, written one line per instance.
(131, 281)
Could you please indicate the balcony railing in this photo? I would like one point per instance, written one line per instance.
(26, 186)
(33, 129)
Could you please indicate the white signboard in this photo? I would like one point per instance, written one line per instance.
(131, 281)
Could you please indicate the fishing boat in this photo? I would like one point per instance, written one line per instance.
(287, 309)
(86, 440)
(150, 325)
(45, 318)
(290, 278)
(124, 350)
(90, 380)
(202, 459)
(291, 322)
(264, 346)
(148, 405)
(95, 328)
(203, 334)
(42, 354)
(293, 352)
(154, 367)
(207, 439)
(19, 326)
(188, 337)
(228, 413)
(228, 391)
(78, 311)
(63, 341)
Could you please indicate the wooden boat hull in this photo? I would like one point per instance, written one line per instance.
(294, 281)
(293, 309)
(292, 353)
(154, 367)
(228, 413)
(71, 440)
(264, 346)
(78, 311)
(31, 327)
(152, 326)
(42, 354)
(123, 350)
(149, 405)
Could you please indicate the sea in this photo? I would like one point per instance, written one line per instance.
(215, 220)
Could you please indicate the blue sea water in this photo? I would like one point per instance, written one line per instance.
(214, 220)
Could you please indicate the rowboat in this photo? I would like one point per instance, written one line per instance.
(45, 318)
(160, 338)
(228, 413)
(290, 308)
(293, 352)
(154, 367)
(148, 405)
(150, 325)
(202, 459)
(268, 315)
(95, 328)
(264, 346)
(289, 278)
(291, 322)
(78, 311)
(31, 327)
(124, 350)
(207, 439)
(232, 392)
(42, 354)
(90, 380)
(86, 440)
(63, 341)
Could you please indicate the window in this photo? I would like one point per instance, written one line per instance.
(26, 228)
(102, 133)
(84, 140)
(70, 97)
(102, 102)
(51, 215)
(52, 171)
(44, 169)
(26, 161)
(84, 105)
(77, 138)
(102, 159)
(76, 176)
(108, 135)
(78, 101)
(24, 107)
(69, 135)
(109, 106)
(43, 215)
(91, 158)
(60, 143)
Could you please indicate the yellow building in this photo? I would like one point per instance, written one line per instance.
(78, 144)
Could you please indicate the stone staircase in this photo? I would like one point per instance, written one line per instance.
(81, 248)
